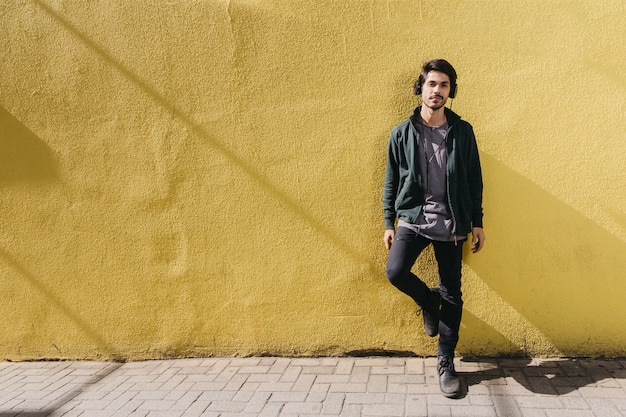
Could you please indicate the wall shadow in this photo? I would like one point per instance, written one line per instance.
(479, 339)
(199, 131)
(105, 347)
(23, 155)
(545, 377)
(557, 268)
(553, 265)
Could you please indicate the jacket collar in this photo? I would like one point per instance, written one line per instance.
(451, 116)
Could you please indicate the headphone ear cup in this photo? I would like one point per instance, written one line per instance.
(417, 88)
(453, 91)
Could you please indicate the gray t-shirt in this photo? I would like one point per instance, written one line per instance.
(435, 220)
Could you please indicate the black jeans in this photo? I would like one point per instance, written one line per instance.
(406, 247)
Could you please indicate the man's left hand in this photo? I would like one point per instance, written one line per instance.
(478, 239)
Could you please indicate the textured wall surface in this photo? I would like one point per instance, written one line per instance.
(184, 178)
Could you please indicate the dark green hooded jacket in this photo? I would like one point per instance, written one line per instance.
(402, 191)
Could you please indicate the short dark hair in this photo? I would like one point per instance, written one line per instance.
(440, 65)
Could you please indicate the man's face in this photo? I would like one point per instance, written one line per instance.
(435, 90)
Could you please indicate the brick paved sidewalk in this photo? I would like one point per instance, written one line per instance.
(289, 387)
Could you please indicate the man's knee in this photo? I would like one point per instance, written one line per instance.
(395, 274)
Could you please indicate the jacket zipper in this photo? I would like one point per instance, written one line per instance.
(448, 192)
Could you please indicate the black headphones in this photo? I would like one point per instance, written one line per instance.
(417, 88)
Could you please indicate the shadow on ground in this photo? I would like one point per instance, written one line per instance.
(64, 399)
(539, 376)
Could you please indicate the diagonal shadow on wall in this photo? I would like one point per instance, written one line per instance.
(284, 198)
(61, 306)
(544, 258)
(23, 156)
(558, 268)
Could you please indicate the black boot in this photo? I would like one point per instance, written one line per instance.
(449, 381)
(431, 313)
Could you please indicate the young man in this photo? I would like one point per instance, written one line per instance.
(433, 186)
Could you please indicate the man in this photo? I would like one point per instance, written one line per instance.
(433, 187)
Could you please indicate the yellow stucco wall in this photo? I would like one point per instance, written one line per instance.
(184, 178)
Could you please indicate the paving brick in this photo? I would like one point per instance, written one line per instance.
(320, 387)
(208, 386)
(415, 406)
(344, 367)
(506, 406)
(236, 383)
(306, 362)
(316, 397)
(304, 383)
(167, 413)
(197, 408)
(481, 400)
(508, 390)
(304, 387)
(250, 386)
(291, 374)
(362, 398)
(601, 392)
(539, 402)
(227, 406)
(439, 411)
(360, 374)
(330, 379)
(211, 396)
(387, 370)
(349, 387)
(156, 405)
(570, 413)
(67, 413)
(383, 410)
(275, 386)
(263, 378)
(473, 411)
(254, 369)
(414, 366)
(171, 382)
(136, 413)
(302, 408)
(147, 395)
(271, 410)
(284, 397)
(237, 415)
(372, 362)
(377, 383)
(319, 370)
(119, 401)
(574, 403)
(279, 366)
(397, 388)
(333, 403)
(258, 402)
(606, 407)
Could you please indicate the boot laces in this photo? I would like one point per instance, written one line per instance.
(446, 363)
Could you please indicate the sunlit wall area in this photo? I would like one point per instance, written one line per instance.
(199, 178)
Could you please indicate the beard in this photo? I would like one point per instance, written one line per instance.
(437, 105)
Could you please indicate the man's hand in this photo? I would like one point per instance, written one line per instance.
(389, 234)
(478, 239)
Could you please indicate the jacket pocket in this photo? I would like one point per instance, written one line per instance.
(410, 195)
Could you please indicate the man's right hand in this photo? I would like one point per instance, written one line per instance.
(389, 235)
